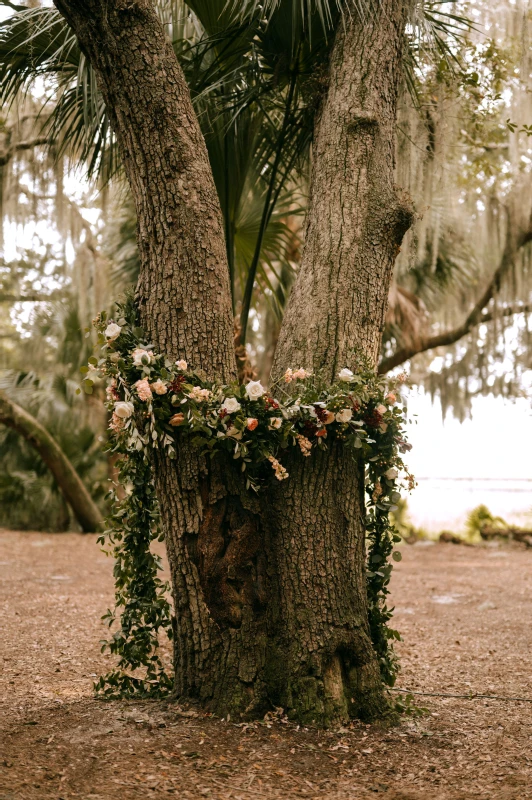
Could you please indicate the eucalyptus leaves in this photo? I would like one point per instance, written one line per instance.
(153, 402)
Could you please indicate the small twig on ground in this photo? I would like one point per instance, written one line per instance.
(470, 696)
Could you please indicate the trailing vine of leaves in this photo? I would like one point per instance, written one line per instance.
(140, 595)
(153, 401)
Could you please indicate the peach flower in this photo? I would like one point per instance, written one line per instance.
(143, 389)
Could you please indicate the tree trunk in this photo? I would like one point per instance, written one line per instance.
(70, 484)
(269, 594)
(356, 219)
(185, 305)
(355, 225)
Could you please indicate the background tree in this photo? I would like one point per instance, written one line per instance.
(465, 159)
(72, 488)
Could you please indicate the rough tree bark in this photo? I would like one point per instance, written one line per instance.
(70, 484)
(355, 225)
(269, 596)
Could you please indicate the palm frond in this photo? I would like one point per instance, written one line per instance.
(304, 11)
(38, 43)
(434, 35)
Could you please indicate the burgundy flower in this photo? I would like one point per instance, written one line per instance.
(309, 428)
(269, 402)
(373, 419)
(321, 413)
(177, 384)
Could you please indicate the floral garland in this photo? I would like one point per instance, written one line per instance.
(152, 401)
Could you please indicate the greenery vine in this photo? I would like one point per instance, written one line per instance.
(153, 401)
(140, 595)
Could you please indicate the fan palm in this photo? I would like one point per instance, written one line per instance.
(256, 72)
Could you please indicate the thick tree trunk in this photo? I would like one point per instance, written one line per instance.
(185, 304)
(270, 594)
(355, 225)
(183, 290)
(356, 219)
(70, 484)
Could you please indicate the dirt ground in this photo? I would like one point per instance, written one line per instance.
(465, 614)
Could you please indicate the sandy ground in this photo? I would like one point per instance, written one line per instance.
(465, 614)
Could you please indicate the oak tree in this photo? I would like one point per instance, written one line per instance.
(269, 592)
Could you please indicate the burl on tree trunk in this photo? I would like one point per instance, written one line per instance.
(269, 592)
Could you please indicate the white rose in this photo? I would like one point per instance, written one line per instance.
(231, 404)
(254, 390)
(391, 473)
(346, 375)
(124, 409)
(275, 423)
(141, 357)
(381, 409)
(344, 415)
(181, 365)
(112, 331)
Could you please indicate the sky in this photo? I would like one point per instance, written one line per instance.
(492, 450)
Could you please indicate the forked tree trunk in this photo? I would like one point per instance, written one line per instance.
(270, 594)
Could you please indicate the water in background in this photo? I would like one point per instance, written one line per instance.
(486, 460)
(443, 503)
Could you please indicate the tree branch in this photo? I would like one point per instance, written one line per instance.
(7, 155)
(507, 311)
(70, 484)
(487, 146)
(475, 316)
(31, 297)
(24, 298)
(15, 6)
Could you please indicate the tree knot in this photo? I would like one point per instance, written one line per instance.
(364, 123)
(403, 216)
